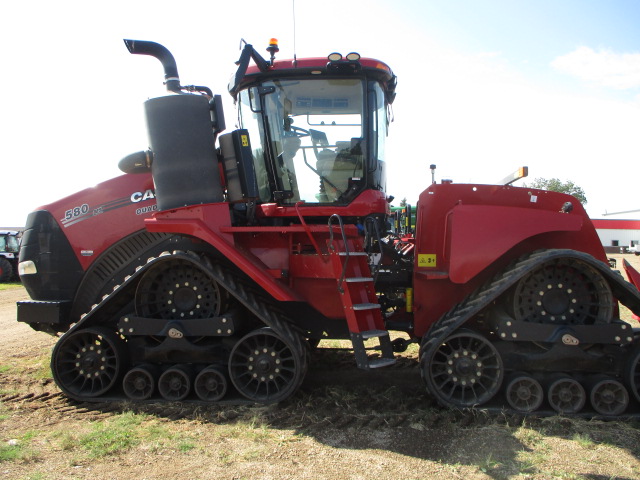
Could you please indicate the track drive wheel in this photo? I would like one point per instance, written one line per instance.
(87, 363)
(463, 371)
(563, 291)
(265, 367)
(177, 289)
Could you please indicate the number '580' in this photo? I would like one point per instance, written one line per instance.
(76, 211)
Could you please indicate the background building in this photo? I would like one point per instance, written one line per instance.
(617, 235)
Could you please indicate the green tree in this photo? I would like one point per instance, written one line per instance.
(403, 202)
(555, 185)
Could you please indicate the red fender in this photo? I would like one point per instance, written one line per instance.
(204, 222)
(480, 234)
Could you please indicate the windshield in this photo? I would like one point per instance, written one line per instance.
(9, 243)
(12, 244)
(315, 146)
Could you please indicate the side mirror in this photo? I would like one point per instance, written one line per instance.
(217, 114)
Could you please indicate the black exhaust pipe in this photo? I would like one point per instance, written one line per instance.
(143, 47)
(183, 159)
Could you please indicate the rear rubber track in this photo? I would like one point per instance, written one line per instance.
(462, 313)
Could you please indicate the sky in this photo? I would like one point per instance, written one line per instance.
(484, 87)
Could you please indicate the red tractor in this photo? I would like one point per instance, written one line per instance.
(218, 261)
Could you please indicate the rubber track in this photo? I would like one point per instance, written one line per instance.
(230, 282)
(260, 308)
(626, 293)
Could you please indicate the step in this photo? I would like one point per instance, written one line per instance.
(366, 306)
(358, 279)
(381, 362)
(363, 360)
(373, 334)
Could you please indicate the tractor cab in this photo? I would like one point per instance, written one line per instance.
(310, 140)
(317, 127)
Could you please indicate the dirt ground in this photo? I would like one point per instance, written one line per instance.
(342, 424)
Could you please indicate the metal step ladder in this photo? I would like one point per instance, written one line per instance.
(358, 295)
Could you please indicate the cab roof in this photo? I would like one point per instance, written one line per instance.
(316, 67)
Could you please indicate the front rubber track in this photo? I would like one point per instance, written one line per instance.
(104, 314)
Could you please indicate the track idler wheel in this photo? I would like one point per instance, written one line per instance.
(139, 382)
(524, 393)
(566, 395)
(265, 367)
(609, 397)
(463, 371)
(175, 383)
(87, 363)
(210, 384)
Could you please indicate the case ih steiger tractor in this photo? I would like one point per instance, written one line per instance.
(214, 266)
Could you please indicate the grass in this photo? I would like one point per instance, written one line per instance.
(250, 427)
(36, 476)
(489, 464)
(10, 285)
(4, 415)
(19, 449)
(122, 433)
(583, 440)
(10, 452)
(113, 436)
(36, 367)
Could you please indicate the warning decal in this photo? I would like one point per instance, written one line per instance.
(426, 260)
(245, 140)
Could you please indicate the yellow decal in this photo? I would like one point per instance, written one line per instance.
(245, 140)
(426, 260)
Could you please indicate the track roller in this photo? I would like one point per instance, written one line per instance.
(139, 382)
(608, 396)
(210, 384)
(175, 383)
(524, 393)
(566, 395)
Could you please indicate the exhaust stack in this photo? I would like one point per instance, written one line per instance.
(153, 49)
(182, 156)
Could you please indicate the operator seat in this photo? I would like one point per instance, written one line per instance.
(337, 168)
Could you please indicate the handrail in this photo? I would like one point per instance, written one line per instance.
(377, 231)
(346, 247)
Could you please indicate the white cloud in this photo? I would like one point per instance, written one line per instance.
(603, 67)
(479, 118)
